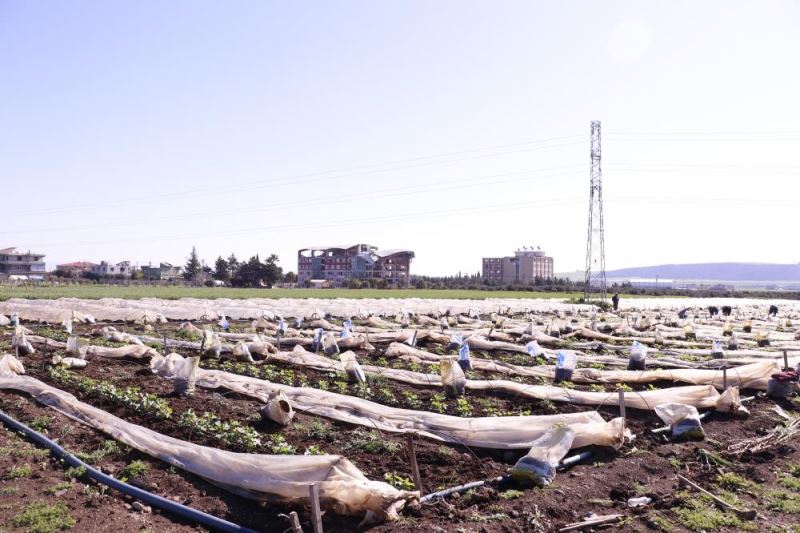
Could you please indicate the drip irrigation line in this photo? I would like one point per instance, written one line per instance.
(149, 498)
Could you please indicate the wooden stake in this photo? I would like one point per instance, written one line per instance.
(294, 522)
(724, 378)
(622, 408)
(595, 521)
(166, 350)
(744, 514)
(316, 514)
(44, 353)
(786, 359)
(412, 457)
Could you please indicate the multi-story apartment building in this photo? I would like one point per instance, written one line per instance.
(124, 269)
(338, 264)
(524, 266)
(21, 263)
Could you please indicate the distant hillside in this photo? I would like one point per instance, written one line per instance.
(713, 271)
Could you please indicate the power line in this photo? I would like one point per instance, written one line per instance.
(527, 175)
(284, 181)
(327, 224)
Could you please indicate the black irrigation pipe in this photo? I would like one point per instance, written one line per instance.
(164, 504)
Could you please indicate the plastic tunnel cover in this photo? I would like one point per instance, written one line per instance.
(343, 487)
(504, 432)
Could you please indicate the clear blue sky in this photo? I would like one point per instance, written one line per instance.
(460, 129)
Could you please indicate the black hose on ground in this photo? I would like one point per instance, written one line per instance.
(563, 465)
(164, 504)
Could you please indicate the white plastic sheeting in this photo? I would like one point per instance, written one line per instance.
(750, 376)
(508, 432)
(342, 486)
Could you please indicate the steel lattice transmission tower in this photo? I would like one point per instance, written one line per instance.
(595, 241)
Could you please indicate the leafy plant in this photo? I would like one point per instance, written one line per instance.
(371, 442)
(130, 397)
(278, 445)
(75, 472)
(411, 399)
(463, 407)
(385, 395)
(230, 432)
(400, 482)
(438, 403)
(318, 430)
(135, 469)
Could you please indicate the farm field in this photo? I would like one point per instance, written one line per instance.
(174, 293)
(469, 422)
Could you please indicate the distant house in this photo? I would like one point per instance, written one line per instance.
(124, 269)
(164, 271)
(76, 268)
(21, 263)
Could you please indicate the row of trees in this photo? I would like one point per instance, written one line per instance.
(250, 273)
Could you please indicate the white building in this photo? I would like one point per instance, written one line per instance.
(124, 269)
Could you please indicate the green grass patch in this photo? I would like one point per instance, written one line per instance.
(790, 482)
(736, 483)
(661, 522)
(8, 491)
(108, 448)
(174, 293)
(19, 472)
(784, 502)
(39, 517)
(41, 423)
(34, 453)
(58, 487)
(704, 517)
(511, 494)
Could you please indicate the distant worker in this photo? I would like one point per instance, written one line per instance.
(615, 301)
(773, 310)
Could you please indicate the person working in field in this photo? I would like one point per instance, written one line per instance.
(615, 301)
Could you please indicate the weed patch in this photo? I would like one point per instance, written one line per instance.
(38, 517)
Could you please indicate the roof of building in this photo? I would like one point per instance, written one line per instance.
(387, 253)
(13, 251)
(78, 264)
(323, 248)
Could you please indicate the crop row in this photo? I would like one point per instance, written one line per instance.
(230, 432)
